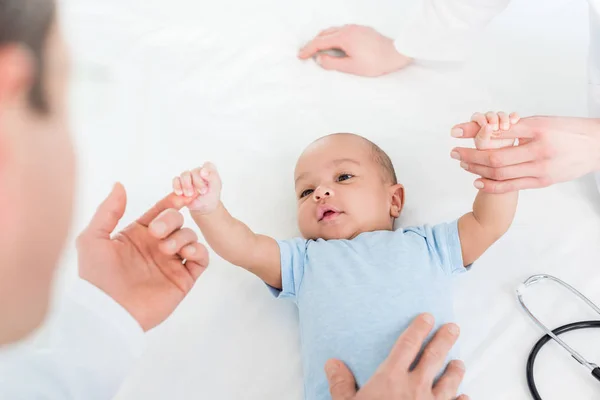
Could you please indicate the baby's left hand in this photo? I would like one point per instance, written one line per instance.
(491, 124)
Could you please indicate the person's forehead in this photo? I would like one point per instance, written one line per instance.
(331, 152)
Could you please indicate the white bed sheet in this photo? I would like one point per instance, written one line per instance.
(164, 86)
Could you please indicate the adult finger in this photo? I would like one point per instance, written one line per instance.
(524, 170)
(166, 223)
(409, 343)
(177, 240)
(498, 157)
(433, 357)
(331, 63)
(329, 31)
(447, 386)
(108, 214)
(332, 41)
(342, 384)
(172, 201)
(197, 259)
(511, 185)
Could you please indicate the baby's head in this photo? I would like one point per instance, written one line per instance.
(346, 185)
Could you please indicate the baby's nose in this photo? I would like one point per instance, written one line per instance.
(321, 193)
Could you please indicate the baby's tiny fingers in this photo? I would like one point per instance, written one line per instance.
(199, 183)
(504, 121)
(479, 118)
(186, 180)
(209, 172)
(514, 118)
(492, 119)
(177, 189)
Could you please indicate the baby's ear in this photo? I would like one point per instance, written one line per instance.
(397, 193)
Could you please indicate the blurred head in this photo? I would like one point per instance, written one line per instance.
(346, 185)
(36, 161)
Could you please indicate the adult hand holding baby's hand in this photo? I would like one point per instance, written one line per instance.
(550, 150)
(203, 185)
(394, 380)
(148, 267)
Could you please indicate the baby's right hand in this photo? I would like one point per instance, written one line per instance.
(204, 184)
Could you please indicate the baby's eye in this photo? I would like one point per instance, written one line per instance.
(307, 192)
(344, 177)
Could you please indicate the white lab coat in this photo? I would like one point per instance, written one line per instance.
(92, 345)
(443, 30)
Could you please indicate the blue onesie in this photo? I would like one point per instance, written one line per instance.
(356, 296)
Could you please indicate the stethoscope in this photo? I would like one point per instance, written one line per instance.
(553, 334)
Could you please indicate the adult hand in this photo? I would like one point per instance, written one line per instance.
(394, 380)
(550, 150)
(369, 53)
(142, 267)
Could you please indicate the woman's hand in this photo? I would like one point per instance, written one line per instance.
(551, 150)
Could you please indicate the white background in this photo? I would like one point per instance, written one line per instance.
(164, 86)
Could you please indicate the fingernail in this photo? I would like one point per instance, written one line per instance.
(171, 245)
(457, 132)
(455, 155)
(459, 364)
(495, 127)
(204, 173)
(203, 191)
(159, 228)
(478, 184)
(178, 192)
(505, 127)
(331, 368)
(464, 165)
(428, 318)
(191, 250)
(453, 329)
(189, 193)
(318, 59)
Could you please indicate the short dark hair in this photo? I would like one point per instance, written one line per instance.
(28, 22)
(381, 157)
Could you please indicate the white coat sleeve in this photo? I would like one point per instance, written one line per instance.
(93, 344)
(444, 30)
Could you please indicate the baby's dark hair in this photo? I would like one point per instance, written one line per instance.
(381, 157)
(28, 22)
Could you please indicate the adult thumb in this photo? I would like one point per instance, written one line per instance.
(108, 214)
(342, 384)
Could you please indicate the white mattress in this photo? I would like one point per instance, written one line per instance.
(164, 86)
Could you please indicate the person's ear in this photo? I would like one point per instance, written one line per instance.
(17, 70)
(397, 192)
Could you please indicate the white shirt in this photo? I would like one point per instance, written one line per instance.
(443, 30)
(92, 346)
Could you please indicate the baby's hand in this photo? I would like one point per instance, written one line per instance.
(203, 184)
(491, 124)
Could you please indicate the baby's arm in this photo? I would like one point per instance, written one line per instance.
(492, 214)
(228, 237)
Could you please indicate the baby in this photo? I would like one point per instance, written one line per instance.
(357, 282)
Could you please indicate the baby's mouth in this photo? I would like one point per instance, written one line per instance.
(329, 215)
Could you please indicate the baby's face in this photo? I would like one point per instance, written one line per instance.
(341, 190)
